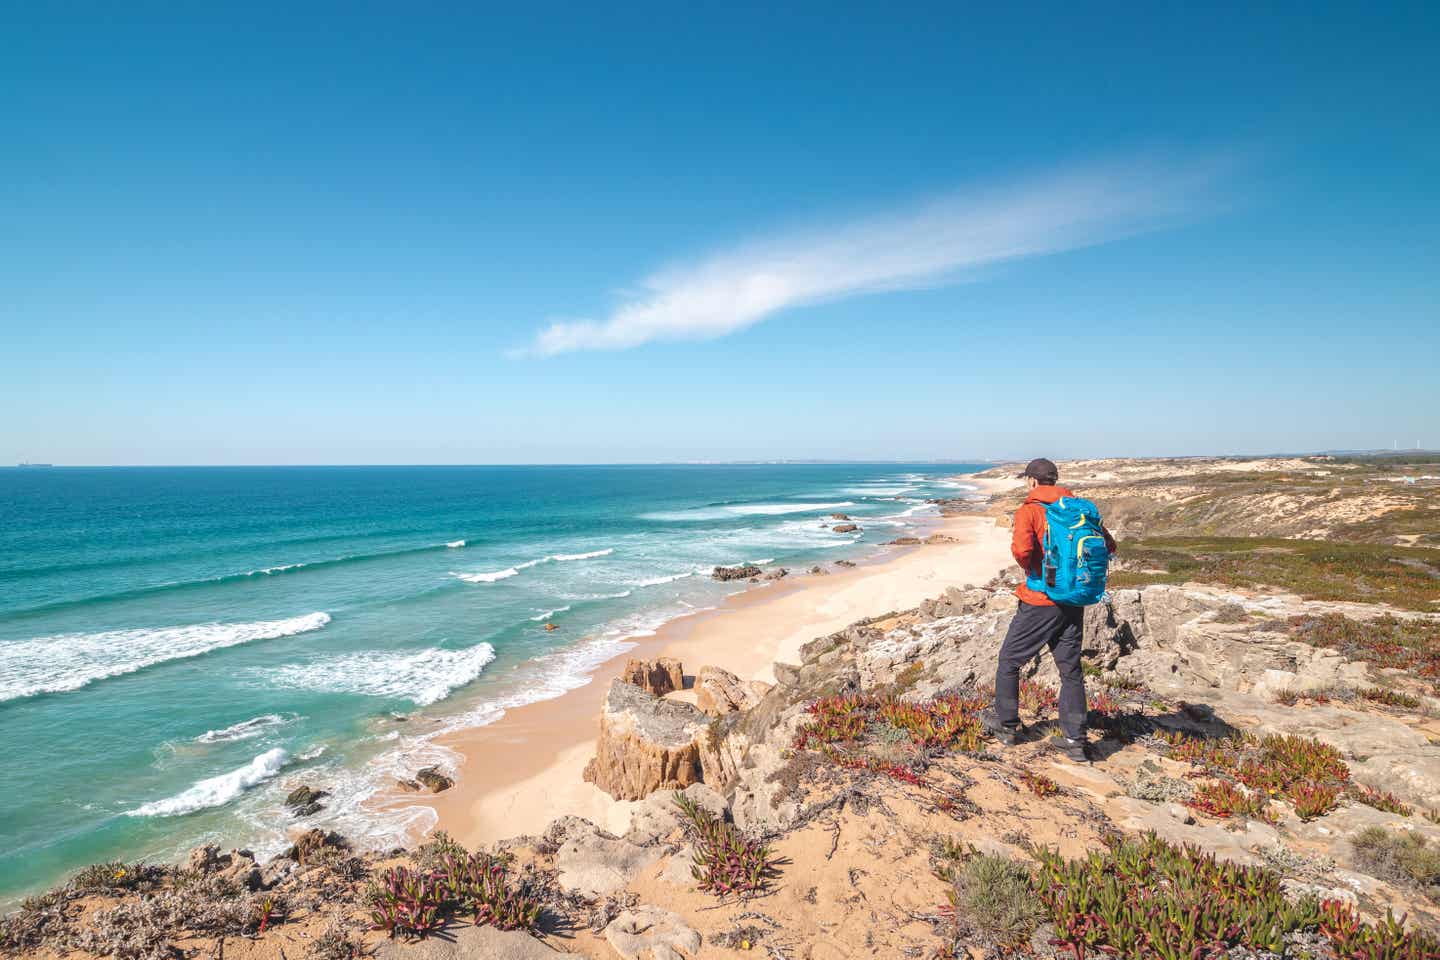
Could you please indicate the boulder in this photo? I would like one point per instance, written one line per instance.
(844, 528)
(658, 677)
(844, 563)
(311, 842)
(905, 542)
(658, 817)
(305, 800)
(651, 933)
(819, 571)
(646, 744)
(465, 942)
(433, 780)
(745, 571)
(593, 863)
(839, 516)
(779, 573)
(238, 866)
(719, 691)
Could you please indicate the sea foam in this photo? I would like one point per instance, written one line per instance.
(423, 677)
(216, 791)
(69, 661)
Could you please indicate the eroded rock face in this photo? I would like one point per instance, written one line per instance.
(719, 691)
(651, 933)
(658, 677)
(646, 744)
(311, 842)
(592, 863)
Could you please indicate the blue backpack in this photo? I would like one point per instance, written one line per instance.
(1076, 558)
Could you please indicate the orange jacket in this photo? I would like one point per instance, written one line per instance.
(1027, 538)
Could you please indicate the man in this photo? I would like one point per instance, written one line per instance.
(1040, 622)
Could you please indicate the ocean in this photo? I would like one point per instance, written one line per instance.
(181, 646)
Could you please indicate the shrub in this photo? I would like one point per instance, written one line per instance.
(1386, 940)
(1037, 698)
(726, 862)
(993, 895)
(1039, 784)
(1221, 798)
(1385, 802)
(1399, 857)
(1390, 698)
(1313, 800)
(1145, 898)
(406, 903)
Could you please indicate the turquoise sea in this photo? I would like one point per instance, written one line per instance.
(180, 646)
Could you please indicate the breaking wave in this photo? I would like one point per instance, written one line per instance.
(424, 677)
(216, 791)
(69, 661)
(246, 729)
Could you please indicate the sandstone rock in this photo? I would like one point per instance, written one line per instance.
(844, 528)
(779, 573)
(646, 744)
(311, 842)
(203, 859)
(650, 933)
(433, 780)
(658, 818)
(719, 691)
(658, 677)
(839, 516)
(819, 571)
(679, 871)
(411, 786)
(469, 943)
(237, 866)
(593, 863)
(742, 572)
(936, 538)
(905, 542)
(844, 563)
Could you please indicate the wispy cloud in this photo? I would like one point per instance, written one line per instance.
(926, 245)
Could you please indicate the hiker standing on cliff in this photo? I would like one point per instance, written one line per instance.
(1064, 549)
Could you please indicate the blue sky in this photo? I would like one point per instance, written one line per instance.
(426, 234)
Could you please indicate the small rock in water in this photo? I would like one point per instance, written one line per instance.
(432, 778)
(844, 563)
(413, 786)
(844, 528)
(839, 516)
(819, 571)
(745, 571)
(305, 800)
(777, 574)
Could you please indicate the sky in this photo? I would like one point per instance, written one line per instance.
(423, 233)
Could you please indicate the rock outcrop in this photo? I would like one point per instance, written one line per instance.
(844, 528)
(744, 571)
(657, 677)
(305, 800)
(719, 691)
(433, 780)
(646, 744)
(652, 933)
(592, 863)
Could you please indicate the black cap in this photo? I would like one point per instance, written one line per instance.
(1041, 469)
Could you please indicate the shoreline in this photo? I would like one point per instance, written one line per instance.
(524, 770)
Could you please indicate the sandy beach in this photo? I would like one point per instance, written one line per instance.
(523, 771)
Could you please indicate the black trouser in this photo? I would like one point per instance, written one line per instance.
(1061, 629)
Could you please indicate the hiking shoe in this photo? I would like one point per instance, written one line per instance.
(1008, 736)
(1077, 750)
